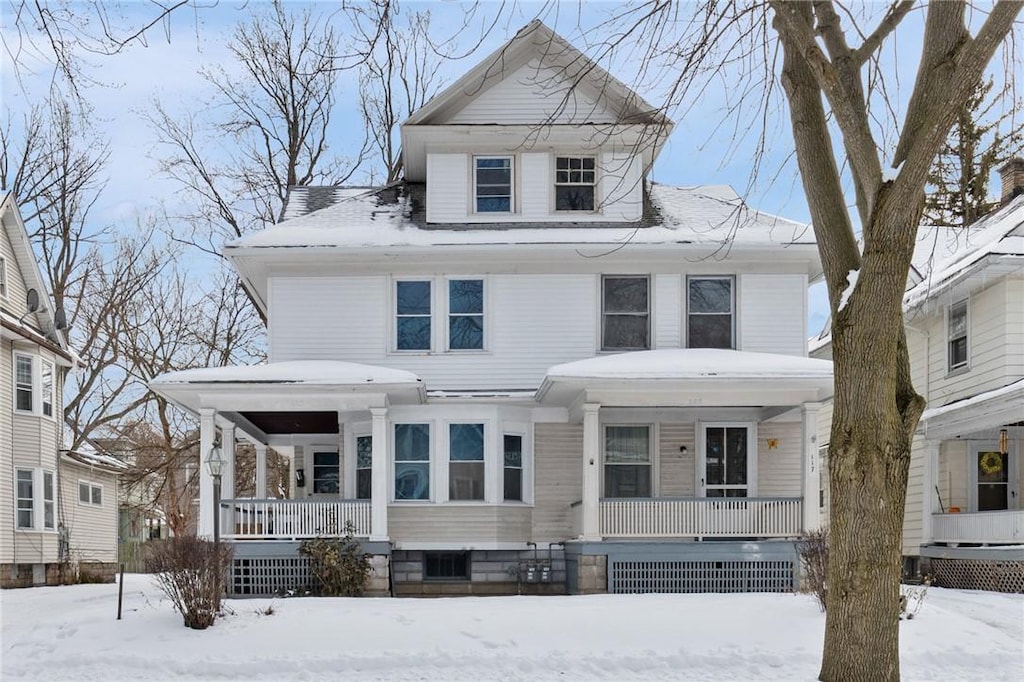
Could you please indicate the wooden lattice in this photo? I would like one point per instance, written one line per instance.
(979, 574)
(631, 577)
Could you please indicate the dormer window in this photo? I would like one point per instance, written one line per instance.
(493, 180)
(574, 183)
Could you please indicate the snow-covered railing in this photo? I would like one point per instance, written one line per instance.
(701, 517)
(293, 519)
(979, 527)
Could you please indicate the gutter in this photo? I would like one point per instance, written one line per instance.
(37, 339)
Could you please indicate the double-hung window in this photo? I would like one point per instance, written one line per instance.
(364, 467)
(412, 313)
(627, 461)
(325, 473)
(33, 384)
(958, 336)
(25, 496)
(709, 312)
(47, 387)
(574, 183)
(35, 499)
(465, 314)
(493, 184)
(625, 313)
(466, 462)
(513, 480)
(412, 461)
(24, 383)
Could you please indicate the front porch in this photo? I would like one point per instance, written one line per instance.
(982, 528)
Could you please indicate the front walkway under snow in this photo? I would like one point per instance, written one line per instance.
(70, 633)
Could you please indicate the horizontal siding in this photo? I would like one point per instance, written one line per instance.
(460, 525)
(668, 306)
(6, 446)
(953, 463)
(1013, 334)
(448, 199)
(92, 530)
(620, 188)
(676, 469)
(779, 471)
(15, 303)
(913, 509)
(773, 313)
(558, 479)
(535, 186)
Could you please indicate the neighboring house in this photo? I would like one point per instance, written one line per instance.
(525, 367)
(58, 509)
(964, 312)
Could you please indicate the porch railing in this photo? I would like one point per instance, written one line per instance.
(293, 519)
(991, 527)
(701, 517)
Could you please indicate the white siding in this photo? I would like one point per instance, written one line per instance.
(92, 529)
(676, 469)
(558, 482)
(448, 193)
(463, 526)
(1014, 332)
(531, 95)
(667, 311)
(913, 507)
(535, 186)
(621, 186)
(773, 313)
(779, 471)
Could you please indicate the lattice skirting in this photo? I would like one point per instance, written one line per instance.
(269, 576)
(979, 574)
(630, 577)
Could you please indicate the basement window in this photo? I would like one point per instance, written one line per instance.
(446, 566)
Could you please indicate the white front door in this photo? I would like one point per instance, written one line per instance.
(727, 465)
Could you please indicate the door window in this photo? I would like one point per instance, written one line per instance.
(725, 461)
(993, 480)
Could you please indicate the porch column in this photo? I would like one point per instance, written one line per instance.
(261, 471)
(379, 475)
(929, 474)
(811, 479)
(207, 431)
(228, 445)
(591, 472)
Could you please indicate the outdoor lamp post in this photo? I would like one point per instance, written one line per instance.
(215, 465)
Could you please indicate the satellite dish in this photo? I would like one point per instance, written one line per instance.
(33, 300)
(60, 319)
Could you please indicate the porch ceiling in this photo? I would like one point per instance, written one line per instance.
(275, 423)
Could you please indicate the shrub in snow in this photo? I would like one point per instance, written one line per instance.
(338, 565)
(812, 548)
(191, 572)
(912, 598)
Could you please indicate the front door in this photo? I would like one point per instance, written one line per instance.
(992, 470)
(726, 471)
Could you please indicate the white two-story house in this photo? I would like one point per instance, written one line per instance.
(526, 367)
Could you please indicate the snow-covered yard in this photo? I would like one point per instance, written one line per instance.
(70, 633)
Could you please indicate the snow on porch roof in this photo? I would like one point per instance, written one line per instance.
(692, 363)
(310, 372)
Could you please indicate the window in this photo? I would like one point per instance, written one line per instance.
(90, 493)
(35, 499)
(625, 313)
(493, 178)
(958, 335)
(364, 467)
(446, 566)
(513, 486)
(412, 461)
(726, 465)
(48, 497)
(3, 277)
(465, 314)
(822, 476)
(47, 387)
(412, 307)
(23, 383)
(466, 461)
(709, 312)
(574, 183)
(627, 461)
(325, 473)
(25, 499)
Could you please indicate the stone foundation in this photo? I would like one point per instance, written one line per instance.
(378, 584)
(491, 572)
(592, 576)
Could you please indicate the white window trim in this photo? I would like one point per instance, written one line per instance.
(444, 468)
(37, 385)
(966, 366)
(38, 501)
(734, 305)
(446, 296)
(309, 453)
(752, 455)
(525, 465)
(91, 485)
(555, 184)
(393, 312)
(512, 184)
(601, 313)
(432, 467)
(43, 402)
(654, 446)
(352, 432)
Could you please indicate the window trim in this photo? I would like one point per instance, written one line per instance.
(648, 314)
(952, 369)
(37, 363)
(92, 487)
(394, 315)
(313, 451)
(432, 482)
(46, 401)
(556, 184)
(653, 445)
(37, 478)
(21, 386)
(732, 307)
(503, 468)
(474, 196)
(486, 434)
(18, 508)
(448, 314)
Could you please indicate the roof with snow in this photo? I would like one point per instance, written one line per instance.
(307, 372)
(693, 363)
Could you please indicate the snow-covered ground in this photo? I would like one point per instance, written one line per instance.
(70, 633)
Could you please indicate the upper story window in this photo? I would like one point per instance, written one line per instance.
(35, 499)
(465, 314)
(958, 336)
(412, 308)
(627, 461)
(23, 383)
(709, 312)
(3, 277)
(465, 461)
(90, 493)
(625, 313)
(33, 384)
(575, 177)
(412, 461)
(493, 184)
(47, 387)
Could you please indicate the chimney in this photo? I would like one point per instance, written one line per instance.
(1012, 174)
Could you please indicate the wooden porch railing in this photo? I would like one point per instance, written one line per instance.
(993, 527)
(761, 517)
(293, 519)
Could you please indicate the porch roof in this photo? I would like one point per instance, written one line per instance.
(977, 414)
(690, 376)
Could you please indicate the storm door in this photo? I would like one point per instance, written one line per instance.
(727, 467)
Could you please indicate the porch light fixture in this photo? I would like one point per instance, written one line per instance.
(1004, 441)
(215, 461)
(215, 465)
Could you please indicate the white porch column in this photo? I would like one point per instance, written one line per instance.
(379, 475)
(929, 475)
(207, 431)
(811, 478)
(591, 472)
(227, 479)
(261, 471)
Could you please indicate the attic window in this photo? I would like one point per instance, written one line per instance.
(574, 183)
(493, 176)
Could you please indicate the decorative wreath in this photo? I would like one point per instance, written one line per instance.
(991, 463)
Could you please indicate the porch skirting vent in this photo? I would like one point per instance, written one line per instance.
(263, 577)
(633, 577)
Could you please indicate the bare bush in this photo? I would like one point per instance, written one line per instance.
(812, 548)
(191, 571)
(338, 565)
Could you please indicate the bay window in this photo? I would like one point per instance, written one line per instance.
(466, 462)
(627, 461)
(412, 461)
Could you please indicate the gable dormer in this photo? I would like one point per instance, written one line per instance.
(535, 133)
